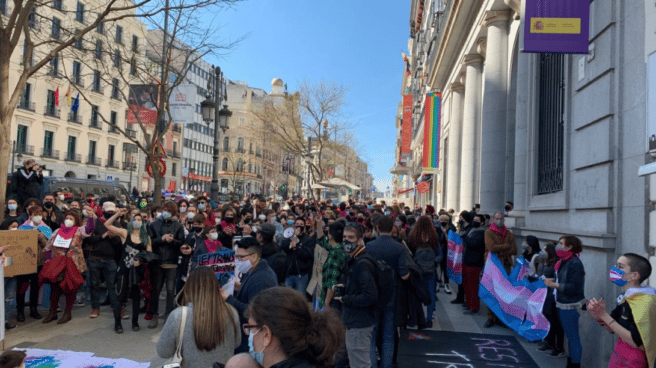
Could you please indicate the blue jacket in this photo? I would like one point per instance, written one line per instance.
(571, 281)
(385, 248)
(257, 279)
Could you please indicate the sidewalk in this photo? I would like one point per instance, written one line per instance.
(450, 317)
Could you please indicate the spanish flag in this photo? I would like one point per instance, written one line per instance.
(643, 306)
(68, 96)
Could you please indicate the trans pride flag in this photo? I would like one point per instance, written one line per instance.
(454, 254)
(516, 301)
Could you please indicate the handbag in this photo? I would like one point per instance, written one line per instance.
(175, 361)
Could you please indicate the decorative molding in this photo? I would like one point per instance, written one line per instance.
(23, 120)
(94, 137)
(516, 6)
(73, 132)
(481, 46)
(472, 58)
(51, 127)
(493, 16)
(462, 77)
(457, 87)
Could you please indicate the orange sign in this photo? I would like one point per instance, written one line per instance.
(423, 187)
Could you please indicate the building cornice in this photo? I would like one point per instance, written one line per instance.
(493, 16)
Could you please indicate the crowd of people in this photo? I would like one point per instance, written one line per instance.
(382, 263)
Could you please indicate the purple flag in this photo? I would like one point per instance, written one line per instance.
(557, 26)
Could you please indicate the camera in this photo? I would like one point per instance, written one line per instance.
(339, 290)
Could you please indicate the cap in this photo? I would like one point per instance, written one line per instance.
(267, 229)
(109, 206)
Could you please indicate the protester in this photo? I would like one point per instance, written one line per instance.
(13, 211)
(167, 236)
(13, 359)
(569, 285)
(423, 242)
(300, 257)
(207, 242)
(26, 180)
(443, 235)
(64, 270)
(633, 318)
(271, 252)
(9, 282)
(531, 253)
(211, 332)
(203, 205)
(555, 341)
(284, 332)
(130, 272)
(334, 267)
(256, 276)
(464, 226)
(501, 241)
(473, 262)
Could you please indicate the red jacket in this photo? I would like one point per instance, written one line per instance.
(72, 278)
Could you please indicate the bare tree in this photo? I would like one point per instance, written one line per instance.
(237, 162)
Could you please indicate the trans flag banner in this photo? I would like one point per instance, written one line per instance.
(516, 301)
(455, 251)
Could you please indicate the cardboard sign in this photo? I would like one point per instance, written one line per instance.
(60, 242)
(20, 252)
(320, 256)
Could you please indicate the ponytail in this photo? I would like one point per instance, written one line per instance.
(325, 337)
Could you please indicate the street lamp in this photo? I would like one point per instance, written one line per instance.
(212, 113)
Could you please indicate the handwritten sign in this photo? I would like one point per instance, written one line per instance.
(60, 242)
(446, 349)
(20, 252)
(320, 256)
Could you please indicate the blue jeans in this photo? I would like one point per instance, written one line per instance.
(429, 283)
(385, 323)
(107, 268)
(10, 294)
(569, 318)
(298, 283)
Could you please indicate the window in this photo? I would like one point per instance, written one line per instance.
(115, 91)
(48, 140)
(551, 102)
(240, 144)
(56, 28)
(72, 148)
(57, 4)
(224, 164)
(77, 73)
(133, 66)
(226, 144)
(26, 98)
(119, 35)
(31, 18)
(174, 169)
(175, 148)
(54, 67)
(101, 28)
(96, 82)
(113, 120)
(51, 105)
(111, 151)
(92, 150)
(79, 12)
(79, 44)
(21, 138)
(99, 49)
(117, 58)
(135, 43)
(94, 117)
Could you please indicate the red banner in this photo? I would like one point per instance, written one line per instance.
(406, 126)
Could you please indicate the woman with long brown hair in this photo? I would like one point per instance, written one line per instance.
(285, 332)
(423, 242)
(211, 331)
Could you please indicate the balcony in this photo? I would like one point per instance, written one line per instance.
(129, 166)
(24, 149)
(95, 161)
(131, 133)
(240, 150)
(112, 164)
(177, 128)
(113, 130)
(74, 118)
(174, 154)
(78, 80)
(52, 111)
(50, 153)
(73, 157)
(97, 88)
(26, 105)
(93, 123)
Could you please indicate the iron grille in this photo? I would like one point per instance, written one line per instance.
(551, 123)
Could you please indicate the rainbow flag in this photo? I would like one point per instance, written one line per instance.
(432, 130)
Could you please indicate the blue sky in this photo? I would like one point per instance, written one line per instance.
(353, 42)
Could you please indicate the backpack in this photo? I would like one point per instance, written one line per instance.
(385, 281)
(425, 259)
(278, 263)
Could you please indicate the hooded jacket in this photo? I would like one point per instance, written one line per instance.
(167, 252)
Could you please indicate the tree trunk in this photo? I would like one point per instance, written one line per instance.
(157, 178)
(6, 112)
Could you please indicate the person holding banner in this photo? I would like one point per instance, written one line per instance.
(501, 241)
(67, 260)
(569, 285)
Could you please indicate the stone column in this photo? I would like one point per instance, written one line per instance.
(453, 156)
(493, 127)
(472, 104)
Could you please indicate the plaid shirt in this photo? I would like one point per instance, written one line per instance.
(333, 268)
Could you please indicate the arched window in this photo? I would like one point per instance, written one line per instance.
(224, 164)
(240, 144)
(249, 167)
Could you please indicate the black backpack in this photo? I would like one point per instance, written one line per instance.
(384, 275)
(278, 263)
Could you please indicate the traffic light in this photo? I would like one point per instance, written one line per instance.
(283, 187)
(350, 191)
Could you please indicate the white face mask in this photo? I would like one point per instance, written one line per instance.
(85, 213)
(190, 215)
(262, 217)
(213, 236)
(243, 266)
(137, 224)
(62, 198)
(36, 219)
(69, 223)
(183, 209)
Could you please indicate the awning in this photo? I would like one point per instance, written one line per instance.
(337, 182)
(317, 186)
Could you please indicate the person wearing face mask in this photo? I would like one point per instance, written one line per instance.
(130, 272)
(334, 267)
(570, 285)
(256, 277)
(194, 239)
(203, 205)
(228, 226)
(271, 252)
(64, 269)
(423, 242)
(187, 218)
(443, 229)
(167, 235)
(634, 317)
(10, 283)
(207, 242)
(554, 343)
(52, 215)
(13, 211)
(211, 327)
(60, 201)
(300, 257)
(501, 241)
(26, 180)
(531, 253)
(473, 262)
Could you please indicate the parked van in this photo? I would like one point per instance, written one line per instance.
(75, 187)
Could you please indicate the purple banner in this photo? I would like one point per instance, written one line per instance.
(557, 26)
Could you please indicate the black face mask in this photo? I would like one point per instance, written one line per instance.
(196, 229)
(507, 208)
(248, 220)
(476, 224)
(229, 220)
(107, 214)
(444, 224)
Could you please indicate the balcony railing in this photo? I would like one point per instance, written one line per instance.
(73, 157)
(27, 105)
(177, 128)
(129, 166)
(94, 161)
(50, 153)
(95, 124)
(175, 154)
(53, 112)
(78, 80)
(240, 150)
(74, 118)
(131, 133)
(24, 149)
(112, 164)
